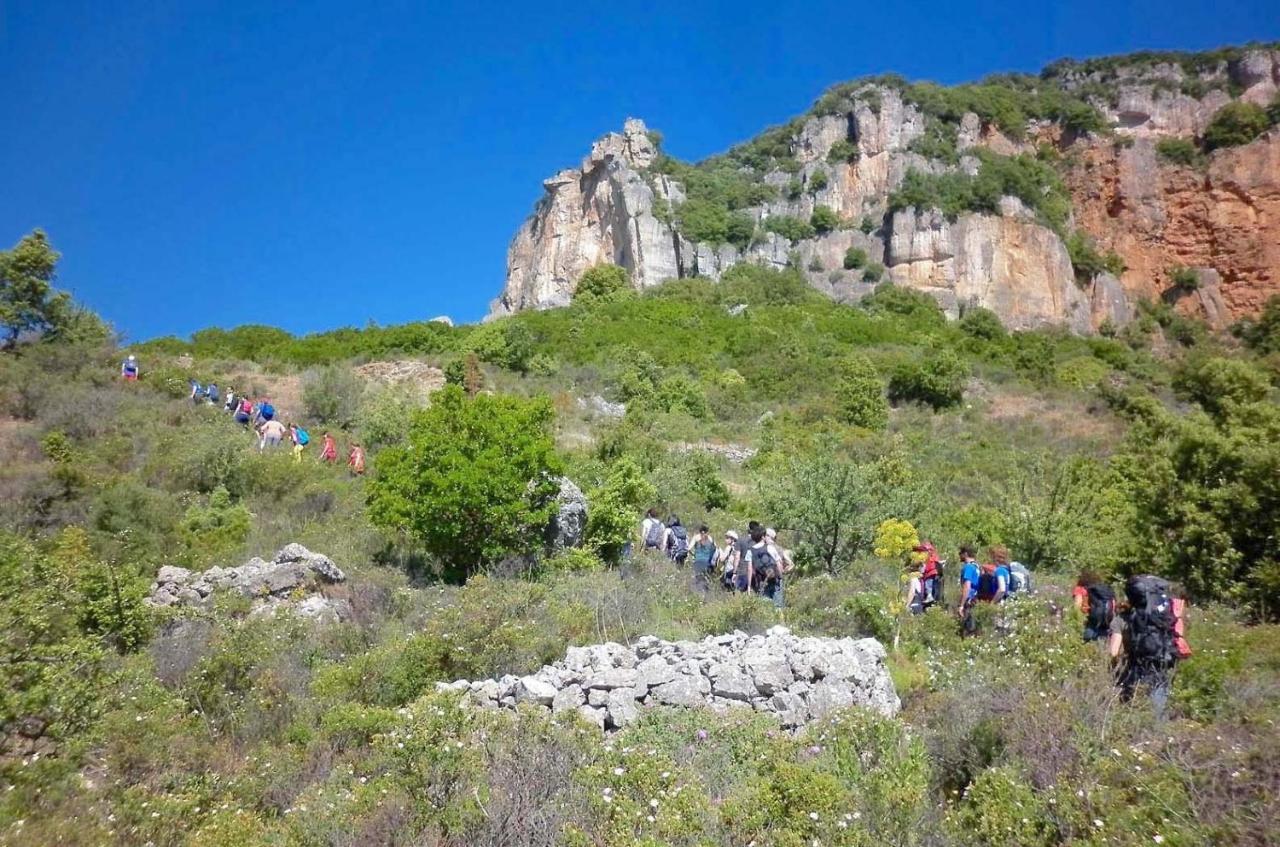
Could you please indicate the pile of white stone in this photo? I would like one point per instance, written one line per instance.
(291, 581)
(796, 679)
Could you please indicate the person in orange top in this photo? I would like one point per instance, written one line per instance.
(329, 450)
(355, 460)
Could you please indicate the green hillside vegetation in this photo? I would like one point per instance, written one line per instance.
(213, 727)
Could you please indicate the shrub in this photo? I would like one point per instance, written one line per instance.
(867, 226)
(216, 530)
(982, 323)
(860, 394)
(1219, 384)
(331, 395)
(843, 151)
(895, 539)
(1234, 124)
(815, 265)
(1179, 151)
(817, 181)
(936, 381)
(790, 228)
(476, 482)
(1263, 334)
(507, 343)
(1184, 279)
(854, 257)
(1087, 261)
(918, 308)
(602, 282)
(873, 272)
(387, 413)
(824, 220)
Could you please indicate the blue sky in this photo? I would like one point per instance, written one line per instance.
(332, 163)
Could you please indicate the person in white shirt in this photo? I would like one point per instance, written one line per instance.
(653, 534)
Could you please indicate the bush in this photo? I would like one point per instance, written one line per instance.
(1184, 279)
(507, 343)
(331, 395)
(1179, 151)
(1087, 261)
(817, 182)
(860, 394)
(854, 257)
(937, 381)
(982, 323)
(867, 226)
(824, 220)
(790, 228)
(843, 151)
(918, 308)
(873, 272)
(602, 282)
(1235, 124)
(477, 481)
(1263, 334)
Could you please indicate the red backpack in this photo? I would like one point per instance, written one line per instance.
(246, 406)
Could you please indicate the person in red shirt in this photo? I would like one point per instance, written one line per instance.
(329, 450)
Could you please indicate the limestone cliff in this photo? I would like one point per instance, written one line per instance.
(854, 150)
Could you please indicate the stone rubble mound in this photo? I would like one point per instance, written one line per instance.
(795, 679)
(274, 586)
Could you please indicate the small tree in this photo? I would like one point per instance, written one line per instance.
(854, 257)
(982, 323)
(824, 220)
(331, 395)
(477, 481)
(861, 394)
(28, 301)
(1184, 279)
(602, 282)
(937, 381)
(1234, 124)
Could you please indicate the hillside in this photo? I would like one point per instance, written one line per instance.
(178, 671)
(1059, 199)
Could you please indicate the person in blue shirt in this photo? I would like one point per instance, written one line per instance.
(1000, 558)
(969, 574)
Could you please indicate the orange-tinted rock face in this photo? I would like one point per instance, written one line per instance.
(1159, 216)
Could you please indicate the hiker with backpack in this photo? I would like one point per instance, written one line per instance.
(999, 577)
(300, 439)
(705, 554)
(211, 394)
(244, 412)
(676, 545)
(266, 411)
(232, 402)
(925, 587)
(744, 576)
(1095, 599)
(767, 566)
(653, 533)
(1019, 579)
(197, 393)
(727, 558)
(1143, 639)
(355, 460)
(129, 368)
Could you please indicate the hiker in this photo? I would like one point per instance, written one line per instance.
(925, 587)
(1095, 599)
(271, 434)
(744, 576)
(129, 368)
(232, 402)
(772, 587)
(728, 560)
(1180, 645)
(1143, 640)
(766, 563)
(970, 574)
(300, 439)
(705, 554)
(197, 392)
(1019, 579)
(265, 410)
(1000, 575)
(653, 534)
(329, 449)
(244, 413)
(211, 394)
(676, 544)
(355, 460)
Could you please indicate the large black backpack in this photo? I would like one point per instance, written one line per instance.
(679, 545)
(1102, 607)
(1150, 638)
(762, 562)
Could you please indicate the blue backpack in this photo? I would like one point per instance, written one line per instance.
(267, 411)
(303, 438)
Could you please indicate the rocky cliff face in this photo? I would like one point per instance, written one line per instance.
(1222, 220)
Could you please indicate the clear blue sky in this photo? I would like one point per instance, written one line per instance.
(332, 163)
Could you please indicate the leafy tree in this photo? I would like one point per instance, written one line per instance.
(873, 272)
(602, 282)
(1263, 335)
(476, 482)
(860, 394)
(919, 308)
(1184, 279)
(507, 343)
(1220, 385)
(937, 381)
(704, 220)
(28, 301)
(1179, 151)
(824, 220)
(844, 151)
(818, 181)
(854, 257)
(611, 519)
(1234, 124)
(790, 228)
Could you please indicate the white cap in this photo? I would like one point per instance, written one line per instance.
(731, 534)
(771, 533)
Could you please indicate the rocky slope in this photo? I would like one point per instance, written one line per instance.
(855, 149)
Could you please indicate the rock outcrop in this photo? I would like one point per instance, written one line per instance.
(570, 522)
(795, 679)
(851, 157)
(292, 581)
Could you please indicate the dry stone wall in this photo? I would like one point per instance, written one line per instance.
(796, 679)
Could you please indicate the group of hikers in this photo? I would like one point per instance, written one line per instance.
(752, 562)
(260, 416)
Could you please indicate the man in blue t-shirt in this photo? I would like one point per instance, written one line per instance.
(969, 574)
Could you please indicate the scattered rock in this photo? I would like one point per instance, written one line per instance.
(600, 406)
(796, 679)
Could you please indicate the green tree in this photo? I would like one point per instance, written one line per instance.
(614, 505)
(1263, 334)
(602, 282)
(937, 381)
(28, 301)
(860, 394)
(1220, 385)
(982, 323)
(854, 257)
(1234, 124)
(476, 482)
(332, 394)
(824, 220)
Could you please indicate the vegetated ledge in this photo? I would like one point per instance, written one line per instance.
(796, 679)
